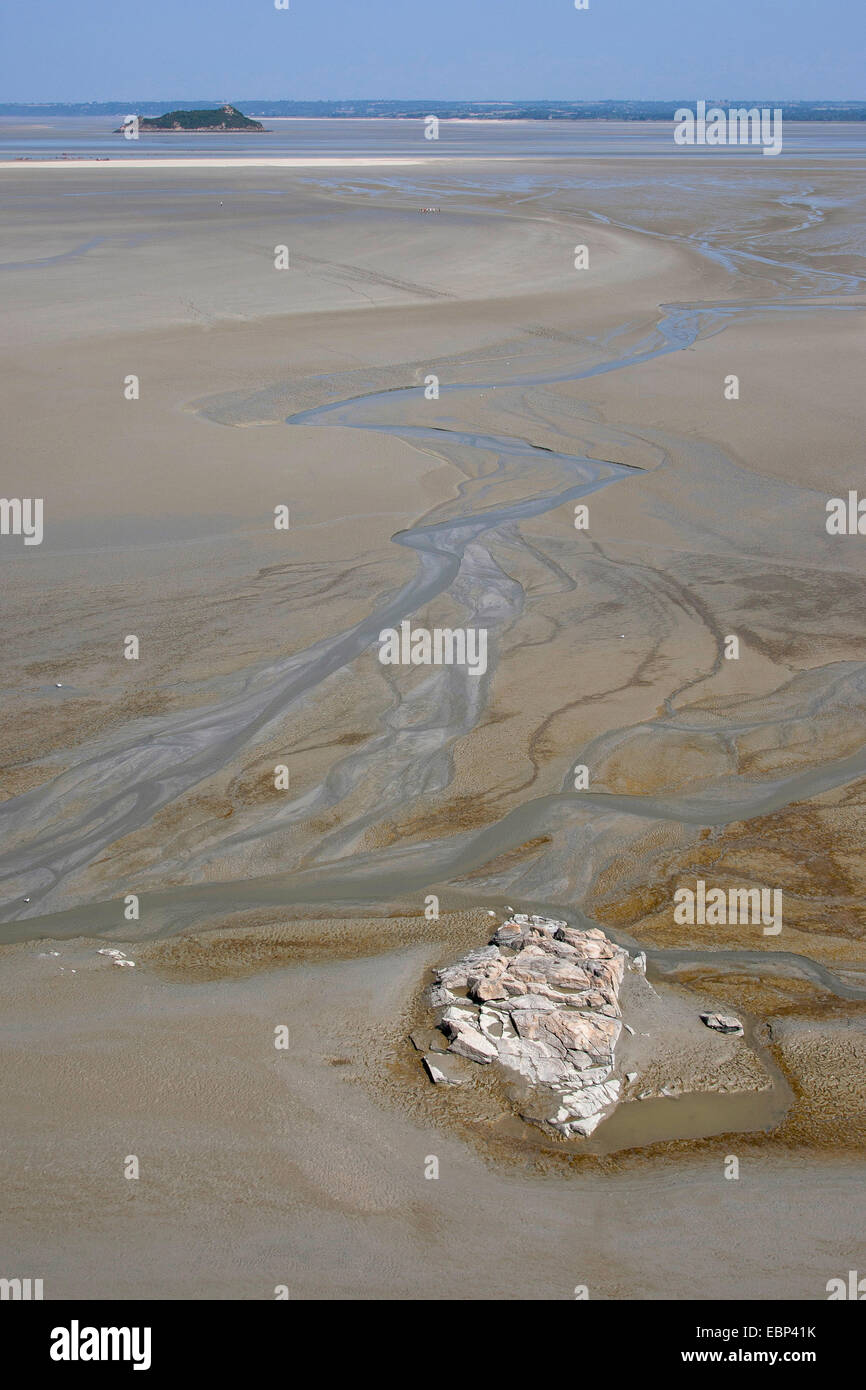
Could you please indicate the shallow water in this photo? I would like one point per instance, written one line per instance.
(67, 822)
(42, 137)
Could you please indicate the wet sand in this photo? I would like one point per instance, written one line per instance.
(306, 388)
(245, 162)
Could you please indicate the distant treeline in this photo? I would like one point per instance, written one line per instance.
(479, 110)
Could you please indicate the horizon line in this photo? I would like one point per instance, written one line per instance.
(477, 101)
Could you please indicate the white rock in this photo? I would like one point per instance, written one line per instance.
(723, 1023)
(529, 1001)
(490, 1023)
(468, 1042)
(459, 1013)
(573, 1129)
(549, 1014)
(466, 1039)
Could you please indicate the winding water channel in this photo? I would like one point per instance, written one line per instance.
(66, 824)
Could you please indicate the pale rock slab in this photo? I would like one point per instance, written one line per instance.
(543, 1004)
(723, 1023)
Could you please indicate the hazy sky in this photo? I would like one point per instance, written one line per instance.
(83, 50)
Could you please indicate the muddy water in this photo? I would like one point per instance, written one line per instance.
(154, 772)
(699, 1115)
(636, 1124)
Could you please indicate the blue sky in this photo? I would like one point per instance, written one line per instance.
(83, 50)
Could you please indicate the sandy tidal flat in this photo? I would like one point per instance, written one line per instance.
(306, 388)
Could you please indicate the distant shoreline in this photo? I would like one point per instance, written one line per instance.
(447, 110)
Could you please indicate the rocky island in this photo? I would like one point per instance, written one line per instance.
(565, 1024)
(222, 119)
(542, 1001)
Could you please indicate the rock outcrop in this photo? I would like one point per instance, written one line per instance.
(540, 1001)
(723, 1023)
